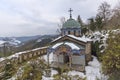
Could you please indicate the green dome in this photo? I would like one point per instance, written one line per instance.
(71, 23)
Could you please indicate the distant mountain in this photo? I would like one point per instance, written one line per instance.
(11, 45)
(21, 39)
(35, 43)
(27, 38)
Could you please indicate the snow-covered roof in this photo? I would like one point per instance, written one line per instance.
(56, 45)
(83, 38)
(72, 45)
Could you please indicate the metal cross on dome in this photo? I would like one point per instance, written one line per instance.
(70, 12)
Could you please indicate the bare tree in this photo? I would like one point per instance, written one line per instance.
(62, 21)
(104, 11)
(116, 10)
(114, 22)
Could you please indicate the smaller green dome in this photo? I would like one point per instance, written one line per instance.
(71, 23)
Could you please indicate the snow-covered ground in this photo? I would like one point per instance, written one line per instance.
(93, 70)
(1, 59)
(53, 72)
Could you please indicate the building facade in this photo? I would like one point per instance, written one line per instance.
(71, 48)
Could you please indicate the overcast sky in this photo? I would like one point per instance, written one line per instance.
(37, 17)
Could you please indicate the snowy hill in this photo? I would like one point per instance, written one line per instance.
(10, 41)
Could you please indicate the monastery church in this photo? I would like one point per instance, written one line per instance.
(71, 48)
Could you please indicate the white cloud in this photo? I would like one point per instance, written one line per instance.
(34, 17)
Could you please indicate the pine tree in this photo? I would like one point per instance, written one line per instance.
(83, 27)
(95, 48)
(80, 21)
(34, 70)
(92, 25)
(99, 23)
(9, 70)
(111, 58)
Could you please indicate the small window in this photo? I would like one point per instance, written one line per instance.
(79, 32)
(68, 32)
(74, 32)
(64, 33)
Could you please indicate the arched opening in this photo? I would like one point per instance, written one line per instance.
(63, 51)
(66, 58)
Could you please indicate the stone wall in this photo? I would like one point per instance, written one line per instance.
(25, 55)
(88, 51)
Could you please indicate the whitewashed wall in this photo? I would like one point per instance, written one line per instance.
(78, 60)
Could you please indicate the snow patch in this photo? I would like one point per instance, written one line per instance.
(1, 59)
(92, 71)
(83, 38)
(73, 73)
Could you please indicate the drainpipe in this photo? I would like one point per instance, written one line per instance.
(48, 58)
(70, 61)
(58, 59)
